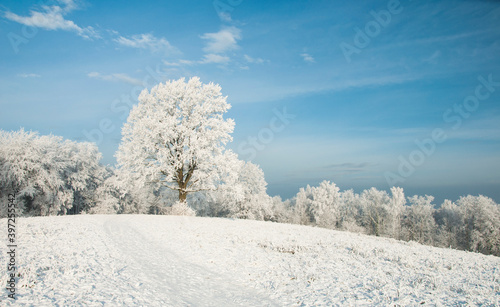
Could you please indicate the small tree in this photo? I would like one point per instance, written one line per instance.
(396, 210)
(351, 212)
(481, 220)
(302, 204)
(176, 136)
(244, 193)
(376, 206)
(418, 223)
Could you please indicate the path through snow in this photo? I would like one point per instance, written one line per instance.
(172, 281)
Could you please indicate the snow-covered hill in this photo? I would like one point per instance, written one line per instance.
(144, 260)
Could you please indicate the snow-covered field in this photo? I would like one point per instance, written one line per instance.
(146, 260)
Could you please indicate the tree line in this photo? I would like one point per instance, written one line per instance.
(471, 223)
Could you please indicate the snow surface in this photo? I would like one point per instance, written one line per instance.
(146, 260)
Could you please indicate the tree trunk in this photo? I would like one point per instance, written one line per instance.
(182, 196)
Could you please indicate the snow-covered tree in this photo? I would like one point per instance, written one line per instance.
(449, 222)
(376, 210)
(418, 222)
(481, 220)
(175, 136)
(243, 195)
(52, 175)
(120, 194)
(351, 212)
(396, 210)
(281, 210)
(325, 204)
(115, 195)
(301, 207)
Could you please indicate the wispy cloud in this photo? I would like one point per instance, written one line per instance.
(214, 58)
(349, 167)
(225, 16)
(433, 58)
(167, 63)
(146, 41)
(307, 57)
(279, 91)
(52, 18)
(249, 59)
(29, 75)
(431, 40)
(115, 77)
(222, 41)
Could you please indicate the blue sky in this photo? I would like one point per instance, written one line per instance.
(321, 90)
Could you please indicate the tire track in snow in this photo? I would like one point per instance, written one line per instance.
(171, 280)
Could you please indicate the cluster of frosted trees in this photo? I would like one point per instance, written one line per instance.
(47, 174)
(52, 176)
(471, 223)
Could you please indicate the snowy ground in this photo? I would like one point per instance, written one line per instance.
(146, 260)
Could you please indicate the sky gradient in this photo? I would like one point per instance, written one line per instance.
(370, 93)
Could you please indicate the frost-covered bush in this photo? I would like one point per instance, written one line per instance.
(181, 208)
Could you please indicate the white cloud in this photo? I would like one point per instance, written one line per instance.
(69, 5)
(222, 41)
(224, 16)
(186, 62)
(217, 44)
(179, 63)
(307, 57)
(29, 75)
(214, 58)
(167, 63)
(249, 59)
(52, 18)
(146, 41)
(115, 77)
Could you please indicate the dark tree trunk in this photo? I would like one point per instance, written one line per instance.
(183, 180)
(182, 196)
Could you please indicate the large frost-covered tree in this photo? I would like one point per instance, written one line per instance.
(176, 136)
